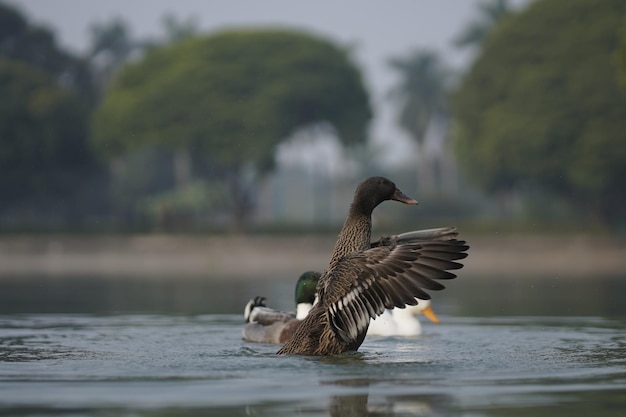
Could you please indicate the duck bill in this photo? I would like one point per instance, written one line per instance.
(403, 198)
(428, 312)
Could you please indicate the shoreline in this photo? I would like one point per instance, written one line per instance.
(243, 257)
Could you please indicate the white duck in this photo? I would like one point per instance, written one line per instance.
(402, 321)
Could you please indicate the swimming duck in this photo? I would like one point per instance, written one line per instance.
(362, 281)
(265, 325)
(270, 326)
(402, 321)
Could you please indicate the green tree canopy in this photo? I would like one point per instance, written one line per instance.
(45, 96)
(621, 57)
(541, 105)
(36, 45)
(234, 95)
(42, 133)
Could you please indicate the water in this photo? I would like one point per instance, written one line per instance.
(517, 352)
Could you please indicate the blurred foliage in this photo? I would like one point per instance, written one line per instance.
(233, 96)
(45, 99)
(490, 13)
(541, 106)
(36, 46)
(42, 131)
(621, 56)
(187, 129)
(111, 47)
(144, 193)
(136, 175)
(185, 208)
(424, 113)
(112, 44)
(423, 92)
(177, 29)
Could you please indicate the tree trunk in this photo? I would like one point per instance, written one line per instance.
(242, 195)
(182, 168)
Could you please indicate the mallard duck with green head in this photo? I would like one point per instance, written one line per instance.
(266, 325)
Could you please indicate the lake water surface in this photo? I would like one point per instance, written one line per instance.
(504, 347)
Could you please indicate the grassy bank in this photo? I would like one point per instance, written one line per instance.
(238, 257)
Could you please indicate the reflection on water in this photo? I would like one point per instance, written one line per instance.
(473, 296)
(191, 365)
(103, 295)
(507, 346)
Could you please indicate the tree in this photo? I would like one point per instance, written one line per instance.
(42, 134)
(45, 97)
(233, 96)
(621, 57)
(35, 45)
(111, 47)
(476, 32)
(177, 29)
(423, 94)
(541, 106)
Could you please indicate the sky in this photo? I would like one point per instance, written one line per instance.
(375, 30)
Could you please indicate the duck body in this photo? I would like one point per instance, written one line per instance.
(401, 321)
(265, 325)
(278, 331)
(363, 278)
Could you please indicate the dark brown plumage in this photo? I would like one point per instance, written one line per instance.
(363, 278)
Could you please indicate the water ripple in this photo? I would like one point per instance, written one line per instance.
(139, 363)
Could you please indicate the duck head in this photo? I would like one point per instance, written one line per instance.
(374, 190)
(423, 307)
(306, 291)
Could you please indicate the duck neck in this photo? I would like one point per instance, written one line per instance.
(403, 314)
(355, 234)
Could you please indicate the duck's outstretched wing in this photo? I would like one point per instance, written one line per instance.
(362, 285)
(415, 236)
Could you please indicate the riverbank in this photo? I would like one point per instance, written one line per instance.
(242, 257)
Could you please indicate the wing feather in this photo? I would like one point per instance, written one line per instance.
(362, 285)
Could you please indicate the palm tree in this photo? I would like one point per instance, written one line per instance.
(490, 12)
(423, 98)
(422, 92)
(177, 29)
(111, 47)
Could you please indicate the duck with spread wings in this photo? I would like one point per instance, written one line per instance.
(364, 279)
